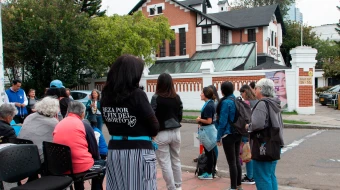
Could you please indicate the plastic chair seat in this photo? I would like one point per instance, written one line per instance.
(47, 183)
(87, 175)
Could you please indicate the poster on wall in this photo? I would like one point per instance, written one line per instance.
(279, 79)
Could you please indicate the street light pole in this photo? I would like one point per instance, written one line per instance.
(2, 78)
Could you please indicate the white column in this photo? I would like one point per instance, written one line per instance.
(2, 78)
(303, 57)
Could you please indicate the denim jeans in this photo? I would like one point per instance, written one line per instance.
(99, 122)
(264, 175)
(169, 143)
(231, 145)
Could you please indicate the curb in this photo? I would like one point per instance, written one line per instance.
(288, 125)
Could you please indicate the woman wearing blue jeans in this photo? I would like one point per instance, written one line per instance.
(266, 113)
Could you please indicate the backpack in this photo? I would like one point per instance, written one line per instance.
(202, 161)
(242, 116)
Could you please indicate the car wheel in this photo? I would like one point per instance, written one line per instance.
(323, 104)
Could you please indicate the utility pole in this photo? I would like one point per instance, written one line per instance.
(2, 78)
(301, 33)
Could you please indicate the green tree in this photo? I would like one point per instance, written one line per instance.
(283, 4)
(331, 68)
(338, 24)
(91, 7)
(292, 39)
(46, 39)
(110, 37)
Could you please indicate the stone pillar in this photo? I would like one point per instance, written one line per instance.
(303, 62)
(206, 69)
(2, 78)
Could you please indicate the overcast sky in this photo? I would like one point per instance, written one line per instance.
(315, 12)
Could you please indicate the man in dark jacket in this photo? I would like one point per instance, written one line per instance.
(7, 112)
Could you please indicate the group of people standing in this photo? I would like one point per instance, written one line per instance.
(142, 132)
(215, 124)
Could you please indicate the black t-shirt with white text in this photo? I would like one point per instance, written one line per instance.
(130, 118)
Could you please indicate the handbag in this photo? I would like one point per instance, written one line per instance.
(171, 124)
(266, 142)
(246, 153)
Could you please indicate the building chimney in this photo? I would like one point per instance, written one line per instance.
(223, 6)
(204, 6)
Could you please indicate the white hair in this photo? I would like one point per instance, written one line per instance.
(76, 108)
(48, 106)
(8, 110)
(267, 87)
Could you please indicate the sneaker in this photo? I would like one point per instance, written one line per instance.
(248, 181)
(205, 176)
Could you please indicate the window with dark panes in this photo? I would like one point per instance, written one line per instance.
(224, 36)
(182, 41)
(206, 35)
(159, 10)
(275, 39)
(251, 35)
(162, 50)
(152, 11)
(272, 38)
(172, 46)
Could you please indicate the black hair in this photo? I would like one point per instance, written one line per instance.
(165, 86)
(56, 92)
(209, 93)
(215, 92)
(227, 89)
(122, 79)
(252, 84)
(16, 81)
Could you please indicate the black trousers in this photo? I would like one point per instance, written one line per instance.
(97, 183)
(231, 145)
(211, 161)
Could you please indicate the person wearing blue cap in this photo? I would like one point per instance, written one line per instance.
(58, 89)
(56, 84)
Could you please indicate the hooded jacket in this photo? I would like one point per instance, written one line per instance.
(260, 117)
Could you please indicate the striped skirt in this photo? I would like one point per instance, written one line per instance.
(131, 169)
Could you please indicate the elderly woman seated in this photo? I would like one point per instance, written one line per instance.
(39, 126)
(7, 112)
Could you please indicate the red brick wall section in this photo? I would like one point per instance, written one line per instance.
(259, 38)
(238, 81)
(181, 85)
(305, 92)
(177, 16)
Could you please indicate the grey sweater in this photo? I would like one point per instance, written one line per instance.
(260, 117)
(38, 128)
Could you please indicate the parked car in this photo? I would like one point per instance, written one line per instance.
(81, 95)
(329, 95)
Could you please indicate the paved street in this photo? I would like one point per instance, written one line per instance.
(310, 159)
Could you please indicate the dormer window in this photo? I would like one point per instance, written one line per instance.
(155, 9)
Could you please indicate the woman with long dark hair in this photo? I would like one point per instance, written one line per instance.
(215, 120)
(93, 109)
(168, 108)
(207, 131)
(227, 135)
(128, 115)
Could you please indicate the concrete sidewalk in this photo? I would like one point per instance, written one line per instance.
(191, 182)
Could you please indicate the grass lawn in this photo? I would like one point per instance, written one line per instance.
(295, 122)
